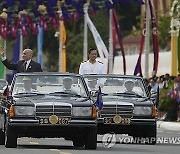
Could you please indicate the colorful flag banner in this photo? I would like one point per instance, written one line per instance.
(16, 51)
(154, 39)
(118, 32)
(138, 69)
(40, 45)
(63, 39)
(179, 52)
(102, 50)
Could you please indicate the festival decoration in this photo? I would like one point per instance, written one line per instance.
(45, 12)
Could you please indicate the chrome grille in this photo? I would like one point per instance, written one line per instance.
(109, 110)
(53, 109)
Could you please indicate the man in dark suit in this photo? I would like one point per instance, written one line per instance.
(25, 65)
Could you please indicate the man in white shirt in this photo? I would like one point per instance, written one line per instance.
(92, 66)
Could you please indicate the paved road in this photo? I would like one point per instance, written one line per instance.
(60, 146)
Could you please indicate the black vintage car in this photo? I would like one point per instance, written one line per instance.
(127, 106)
(48, 105)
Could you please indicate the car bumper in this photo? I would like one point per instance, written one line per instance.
(35, 122)
(133, 121)
(135, 125)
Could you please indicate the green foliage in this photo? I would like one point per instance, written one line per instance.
(163, 31)
(166, 103)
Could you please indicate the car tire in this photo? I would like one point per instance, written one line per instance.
(2, 137)
(148, 136)
(151, 134)
(10, 137)
(91, 139)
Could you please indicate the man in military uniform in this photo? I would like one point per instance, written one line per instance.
(92, 66)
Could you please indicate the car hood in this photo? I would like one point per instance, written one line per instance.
(47, 99)
(122, 100)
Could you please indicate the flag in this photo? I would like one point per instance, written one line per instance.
(40, 45)
(63, 39)
(118, 32)
(179, 52)
(138, 69)
(154, 39)
(2, 68)
(16, 50)
(102, 50)
(99, 101)
(6, 91)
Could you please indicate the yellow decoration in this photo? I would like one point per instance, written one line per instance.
(21, 13)
(63, 39)
(174, 62)
(4, 14)
(42, 9)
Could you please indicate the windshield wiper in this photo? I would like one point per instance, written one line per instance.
(128, 93)
(66, 93)
(28, 93)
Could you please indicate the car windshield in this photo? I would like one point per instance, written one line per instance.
(49, 84)
(118, 85)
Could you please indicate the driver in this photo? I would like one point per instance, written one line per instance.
(129, 85)
(27, 84)
(67, 85)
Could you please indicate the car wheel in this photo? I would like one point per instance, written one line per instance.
(10, 137)
(151, 134)
(148, 136)
(2, 137)
(91, 139)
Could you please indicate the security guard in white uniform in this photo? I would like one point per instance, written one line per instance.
(92, 66)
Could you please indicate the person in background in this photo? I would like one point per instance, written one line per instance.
(92, 66)
(154, 90)
(166, 81)
(160, 81)
(25, 65)
(154, 86)
(177, 92)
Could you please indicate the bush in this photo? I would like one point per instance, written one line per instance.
(167, 101)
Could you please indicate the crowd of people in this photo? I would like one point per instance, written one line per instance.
(165, 86)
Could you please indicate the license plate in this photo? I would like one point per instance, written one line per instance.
(123, 121)
(61, 121)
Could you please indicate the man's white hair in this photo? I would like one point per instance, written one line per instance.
(29, 51)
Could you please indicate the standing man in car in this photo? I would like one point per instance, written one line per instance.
(25, 65)
(92, 66)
